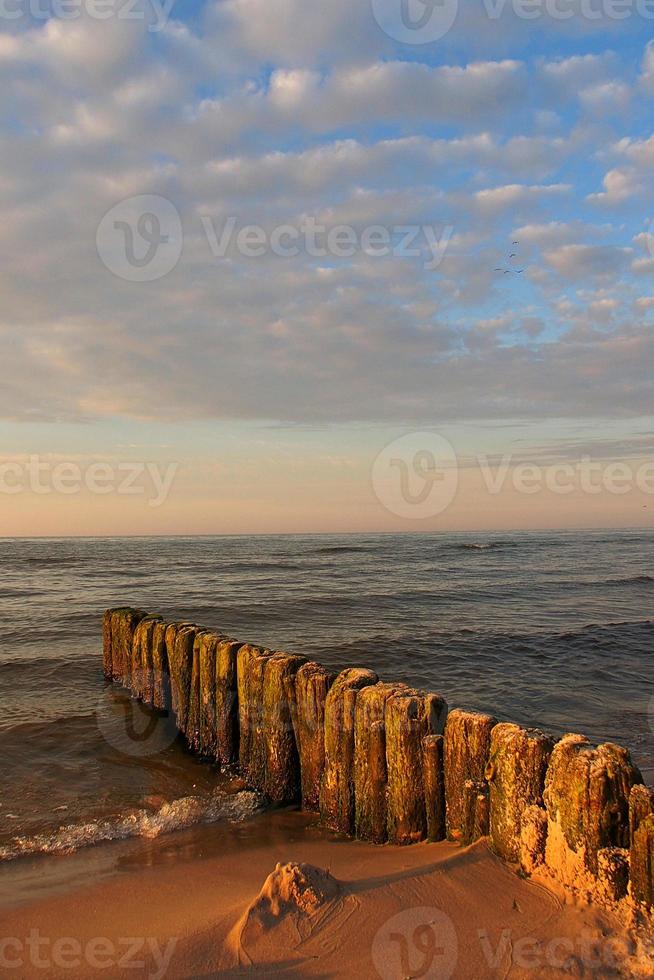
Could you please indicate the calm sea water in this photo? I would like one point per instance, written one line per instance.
(554, 630)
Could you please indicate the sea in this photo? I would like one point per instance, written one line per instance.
(550, 630)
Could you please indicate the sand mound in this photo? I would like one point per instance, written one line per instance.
(296, 900)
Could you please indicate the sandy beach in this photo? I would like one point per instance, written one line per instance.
(189, 905)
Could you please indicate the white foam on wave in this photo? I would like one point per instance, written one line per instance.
(179, 814)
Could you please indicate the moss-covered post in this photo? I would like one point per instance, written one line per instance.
(207, 686)
(226, 750)
(141, 675)
(370, 774)
(641, 857)
(533, 838)
(587, 798)
(466, 750)
(282, 767)
(123, 623)
(337, 786)
(252, 756)
(160, 670)
(180, 639)
(476, 812)
(409, 717)
(434, 776)
(192, 730)
(312, 683)
(107, 662)
(516, 775)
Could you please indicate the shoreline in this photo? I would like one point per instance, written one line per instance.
(194, 887)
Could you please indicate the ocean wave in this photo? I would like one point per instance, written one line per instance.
(483, 545)
(179, 814)
(630, 580)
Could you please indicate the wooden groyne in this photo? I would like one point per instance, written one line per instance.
(387, 763)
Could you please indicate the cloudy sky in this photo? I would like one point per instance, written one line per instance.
(271, 376)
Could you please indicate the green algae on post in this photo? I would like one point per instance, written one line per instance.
(337, 787)
(312, 683)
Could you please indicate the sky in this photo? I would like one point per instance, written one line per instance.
(286, 266)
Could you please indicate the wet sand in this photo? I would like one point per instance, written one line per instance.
(178, 907)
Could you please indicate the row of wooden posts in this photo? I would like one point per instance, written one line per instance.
(387, 763)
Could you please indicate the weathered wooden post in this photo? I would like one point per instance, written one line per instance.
(252, 750)
(370, 774)
(227, 706)
(587, 798)
(312, 683)
(337, 787)
(533, 838)
(160, 669)
(434, 776)
(516, 775)
(641, 856)
(207, 685)
(118, 631)
(180, 638)
(107, 653)
(201, 700)
(282, 764)
(476, 812)
(409, 717)
(141, 679)
(466, 750)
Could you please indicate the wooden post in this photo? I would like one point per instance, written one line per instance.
(533, 838)
(282, 762)
(192, 729)
(123, 623)
(409, 717)
(107, 664)
(227, 705)
(337, 787)
(476, 812)
(179, 648)
(587, 798)
(466, 750)
(250, 669)
(160, 670)
(370, 761)
(641, 857)
(207, 692)
(141, 678)
(434, 776)
(516, 775)
(312, 683)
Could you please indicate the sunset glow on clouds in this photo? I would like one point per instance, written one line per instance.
(255, 372)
